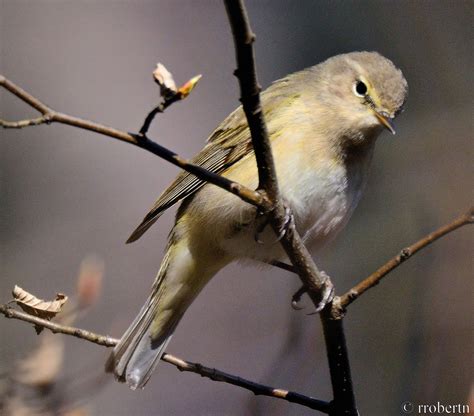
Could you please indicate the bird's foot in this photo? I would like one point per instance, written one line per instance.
(296, 298)
(288, 221)
(326, 294)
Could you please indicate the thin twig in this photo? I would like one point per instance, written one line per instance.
(24, 123)
(180, 364)
(375, 278)
(160, 108)
(168, 99)
(169, 93)
(256, 388)
(24, 96)
(55, 327)
(50, 116)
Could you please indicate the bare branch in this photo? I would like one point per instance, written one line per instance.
(54, 327)
(24, 123)
(319, 287)
(318, 284)
(256, 388)
(24, 96)
(375, 278)
(250, 96)
(50, 116)
(180, 364)
(343, 402)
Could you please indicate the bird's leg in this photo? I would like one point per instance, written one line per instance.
(289, 219)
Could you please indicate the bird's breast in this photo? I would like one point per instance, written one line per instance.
(322, 195)
(323, 191)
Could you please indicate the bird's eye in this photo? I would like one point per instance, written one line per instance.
(360, 89)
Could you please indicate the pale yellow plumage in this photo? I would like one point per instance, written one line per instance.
(322, 123)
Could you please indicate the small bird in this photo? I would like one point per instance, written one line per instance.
(322, 123)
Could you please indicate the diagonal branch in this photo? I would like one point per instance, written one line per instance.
(24, 96)
(250, 96)
(24, 123)
(50, 116)
(179, 363)
(375, 278)
(319, 286)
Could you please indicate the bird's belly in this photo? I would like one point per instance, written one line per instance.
(321, 205)
(321, 193)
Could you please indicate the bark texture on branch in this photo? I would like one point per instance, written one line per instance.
(179, 363)
(318, 284)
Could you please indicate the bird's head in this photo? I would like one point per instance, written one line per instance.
(361, 93)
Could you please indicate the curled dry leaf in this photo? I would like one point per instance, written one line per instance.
(165, 80)
(38, 307)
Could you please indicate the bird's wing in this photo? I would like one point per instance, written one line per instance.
(229, 143)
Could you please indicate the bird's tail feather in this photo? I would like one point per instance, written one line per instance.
(178, 282)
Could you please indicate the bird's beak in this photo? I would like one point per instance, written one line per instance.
(385, 121)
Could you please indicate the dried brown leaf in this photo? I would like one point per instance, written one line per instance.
(38, 307)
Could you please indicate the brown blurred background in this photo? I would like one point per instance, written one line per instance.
(66, 193)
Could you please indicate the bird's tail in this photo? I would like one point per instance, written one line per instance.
(180, 279)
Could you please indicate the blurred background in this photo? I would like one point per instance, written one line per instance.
(68, 193)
